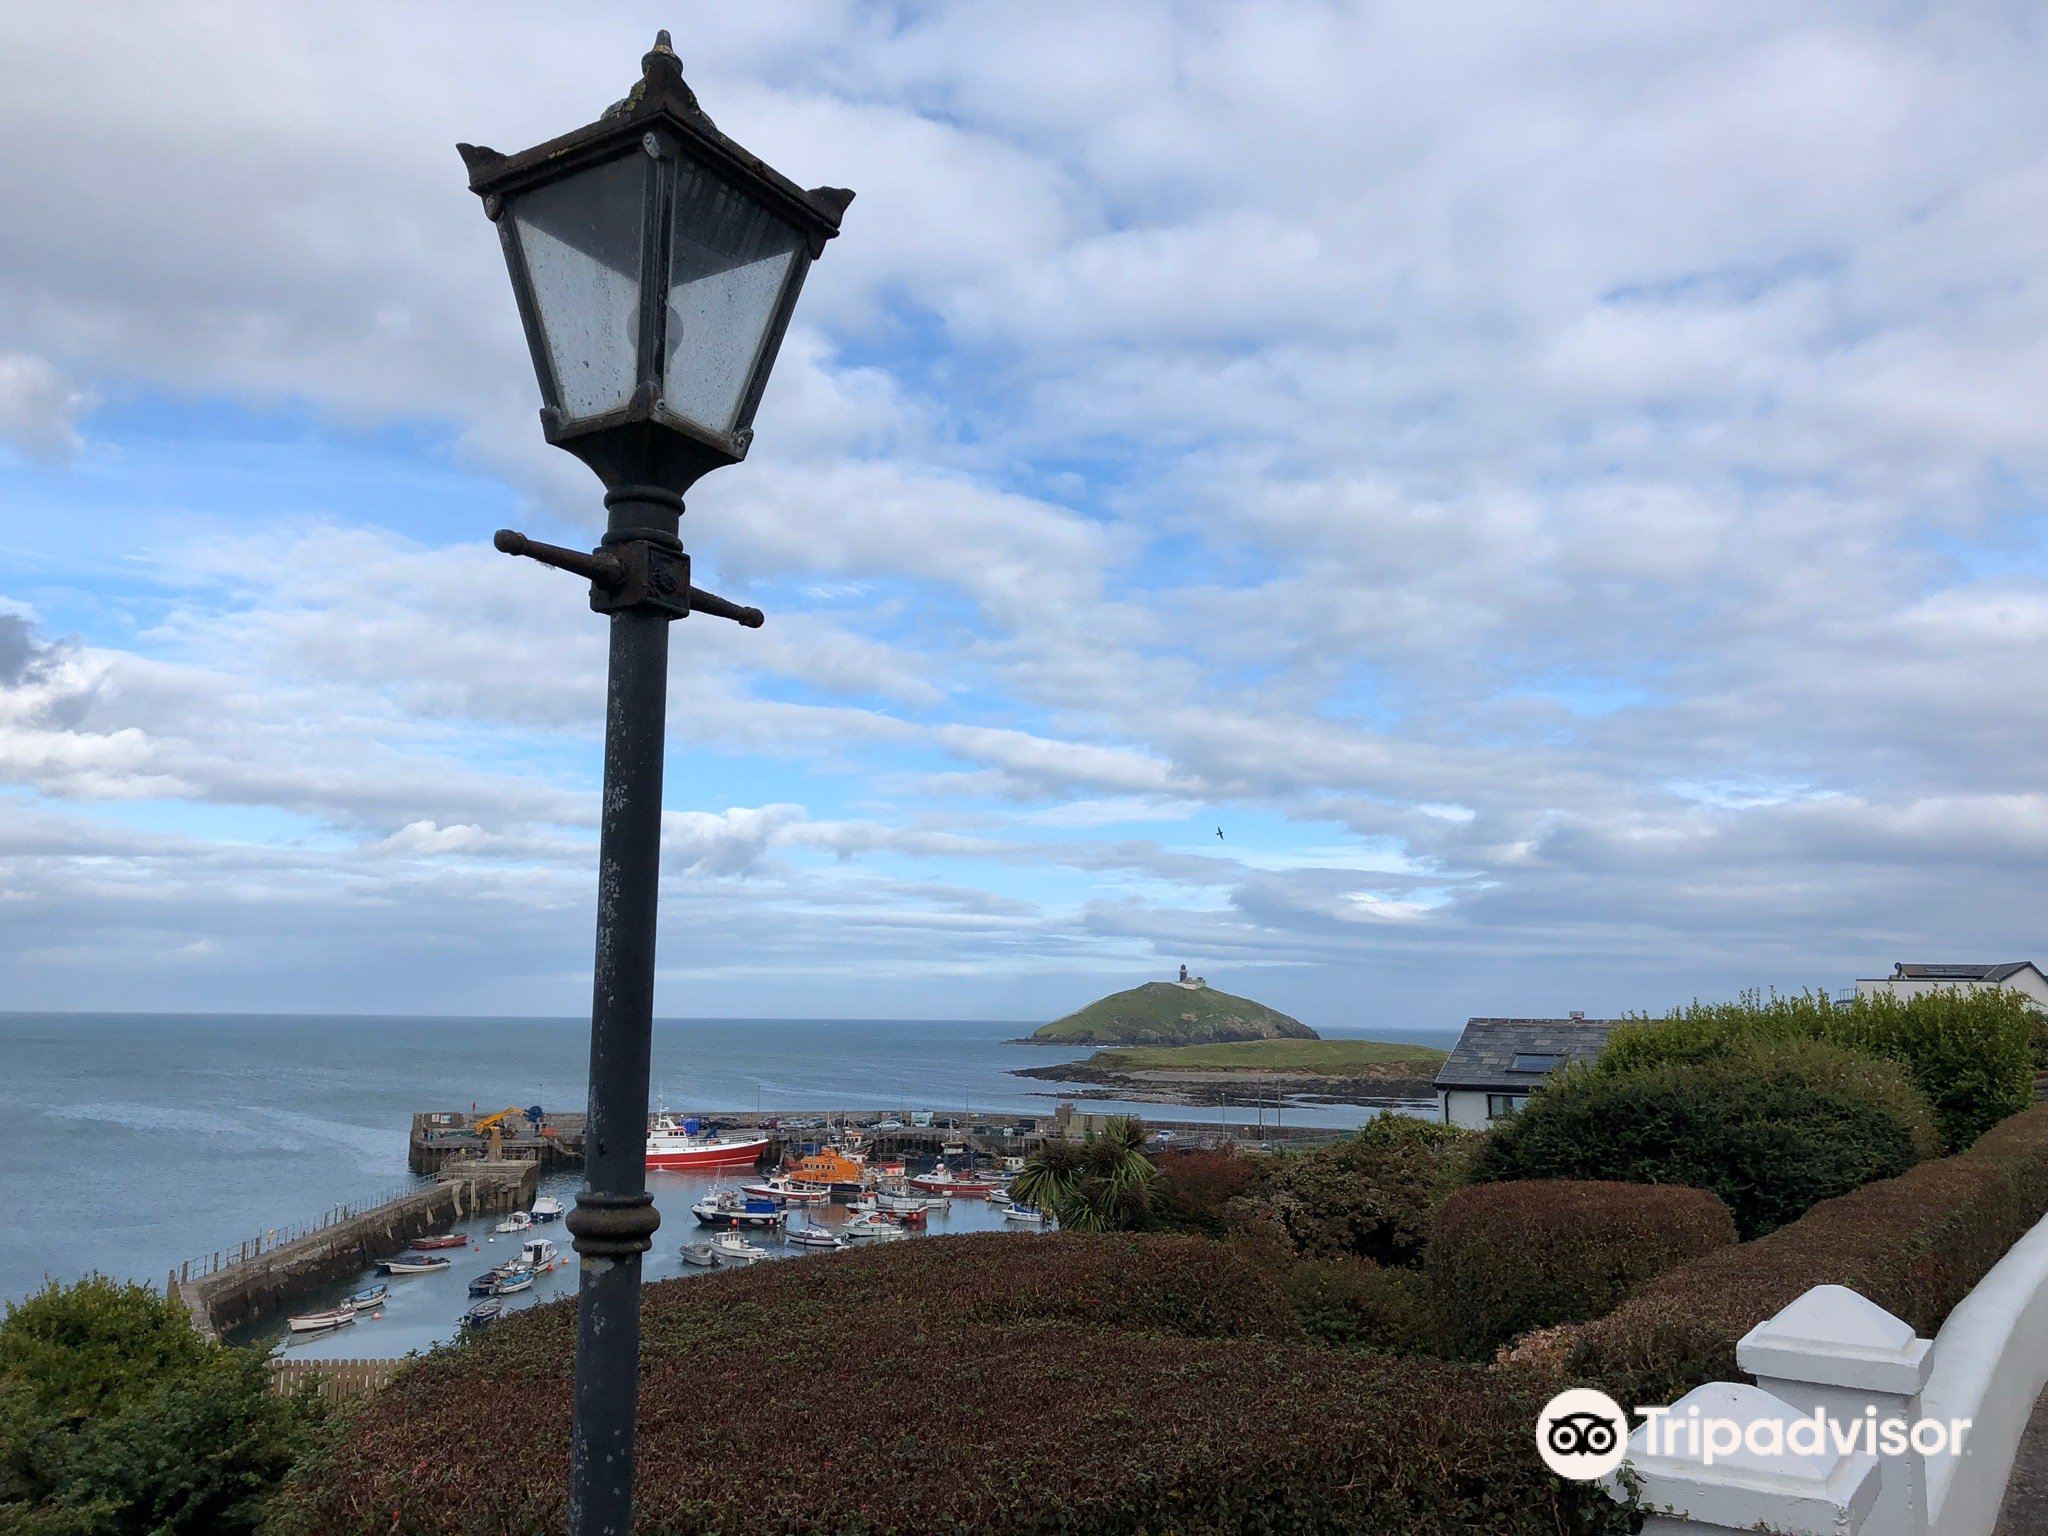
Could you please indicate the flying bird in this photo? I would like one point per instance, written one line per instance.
(1219, 835)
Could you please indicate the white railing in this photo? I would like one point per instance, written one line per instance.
(1837, 1353)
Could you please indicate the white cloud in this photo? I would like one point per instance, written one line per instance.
(1596, 453)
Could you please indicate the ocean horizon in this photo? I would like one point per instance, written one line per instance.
(142, 1140)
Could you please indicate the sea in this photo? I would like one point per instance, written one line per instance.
(136, 1142)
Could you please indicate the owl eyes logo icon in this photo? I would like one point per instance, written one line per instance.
(1582, 1434)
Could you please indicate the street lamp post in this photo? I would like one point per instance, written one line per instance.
(655, 263)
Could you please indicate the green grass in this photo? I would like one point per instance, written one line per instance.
(1159, 1013)
(1330, 1058)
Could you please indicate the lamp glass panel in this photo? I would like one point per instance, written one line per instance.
(730, 264)
(581, 240)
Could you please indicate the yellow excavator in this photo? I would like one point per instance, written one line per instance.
(493, 1126)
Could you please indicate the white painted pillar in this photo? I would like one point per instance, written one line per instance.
(1841, 1353)
(1739, 1491)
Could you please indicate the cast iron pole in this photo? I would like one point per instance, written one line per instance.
(614, 1221)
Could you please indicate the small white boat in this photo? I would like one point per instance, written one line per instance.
(518, 1221)
(1028, 1215)
(370, 1297)
(516, 1277)
(814, 1237)
(415, 1263)
(875, 1228)
(320, 1322)
(539, 1255)
(547, 1208)
(699, 1254)
(731, 1248)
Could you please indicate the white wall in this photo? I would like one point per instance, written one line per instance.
(1463, 1106)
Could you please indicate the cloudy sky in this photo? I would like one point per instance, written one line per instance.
(1561, 488)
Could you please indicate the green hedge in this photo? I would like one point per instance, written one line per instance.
(1915, 1245)
(1356, 1302)
(1196, 1185)
(1769, 1127)
(1505, 1258)
(1970, 1053)
(1372, 1195)
(850, 1393)
(116, 1417)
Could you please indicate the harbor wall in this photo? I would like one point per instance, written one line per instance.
(251, 1286)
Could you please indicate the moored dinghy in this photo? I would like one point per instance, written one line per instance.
(482, 1315)
(415, 1263)
(699, 1254)
(320, 1322)
(814, 1237)
(370, 1296)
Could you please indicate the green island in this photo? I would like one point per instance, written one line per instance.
(1335, 1071)
(1171, 1013)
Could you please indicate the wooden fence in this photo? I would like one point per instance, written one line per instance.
(338, 1380)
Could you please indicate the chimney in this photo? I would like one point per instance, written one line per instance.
(1579, 1014)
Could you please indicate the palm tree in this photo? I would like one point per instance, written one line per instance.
(1102, 1185)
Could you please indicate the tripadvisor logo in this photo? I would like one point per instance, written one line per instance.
(1582, 1434)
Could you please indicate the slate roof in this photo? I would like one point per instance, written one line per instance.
(1985, 973)
(1485, 1051)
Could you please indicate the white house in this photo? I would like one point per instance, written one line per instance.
(1498, 1062)
(2021, 976)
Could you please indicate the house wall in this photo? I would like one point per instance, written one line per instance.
(1463, 1106)
(2028, 983)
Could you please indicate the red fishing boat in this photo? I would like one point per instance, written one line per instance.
(445, 1240)
(943, 1181)
(674, 1143)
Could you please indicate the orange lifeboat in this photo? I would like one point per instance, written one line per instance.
(832, 1168)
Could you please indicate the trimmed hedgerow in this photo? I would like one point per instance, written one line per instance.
(1371, 1195)
(1915, 1245)
(848, 1393)
(1197, 1184)
(1770, 1127)
(1355, 1302)
(1970, 1053)
(1506, 1258)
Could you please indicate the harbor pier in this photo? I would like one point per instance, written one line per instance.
(236, 1286)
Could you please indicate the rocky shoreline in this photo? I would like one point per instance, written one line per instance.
(1200, 1087)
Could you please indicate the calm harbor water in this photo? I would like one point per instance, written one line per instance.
(135, 1142)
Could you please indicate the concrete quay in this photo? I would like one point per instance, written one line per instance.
(238, 1286)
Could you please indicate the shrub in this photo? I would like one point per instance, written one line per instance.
(1357, 1302)
(1769, 1127)
(116, 1417)
(1970, 1053)
(1103, 1184)
(1506, 1258)
(1914, 1245)
(894, 1413)
(1372, 1195)
(1196, 1186)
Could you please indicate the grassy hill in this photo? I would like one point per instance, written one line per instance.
(1163, 1013)
(1318, 1058)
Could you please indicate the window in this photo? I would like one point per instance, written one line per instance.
(1533, 1062)
(1500, 1105)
